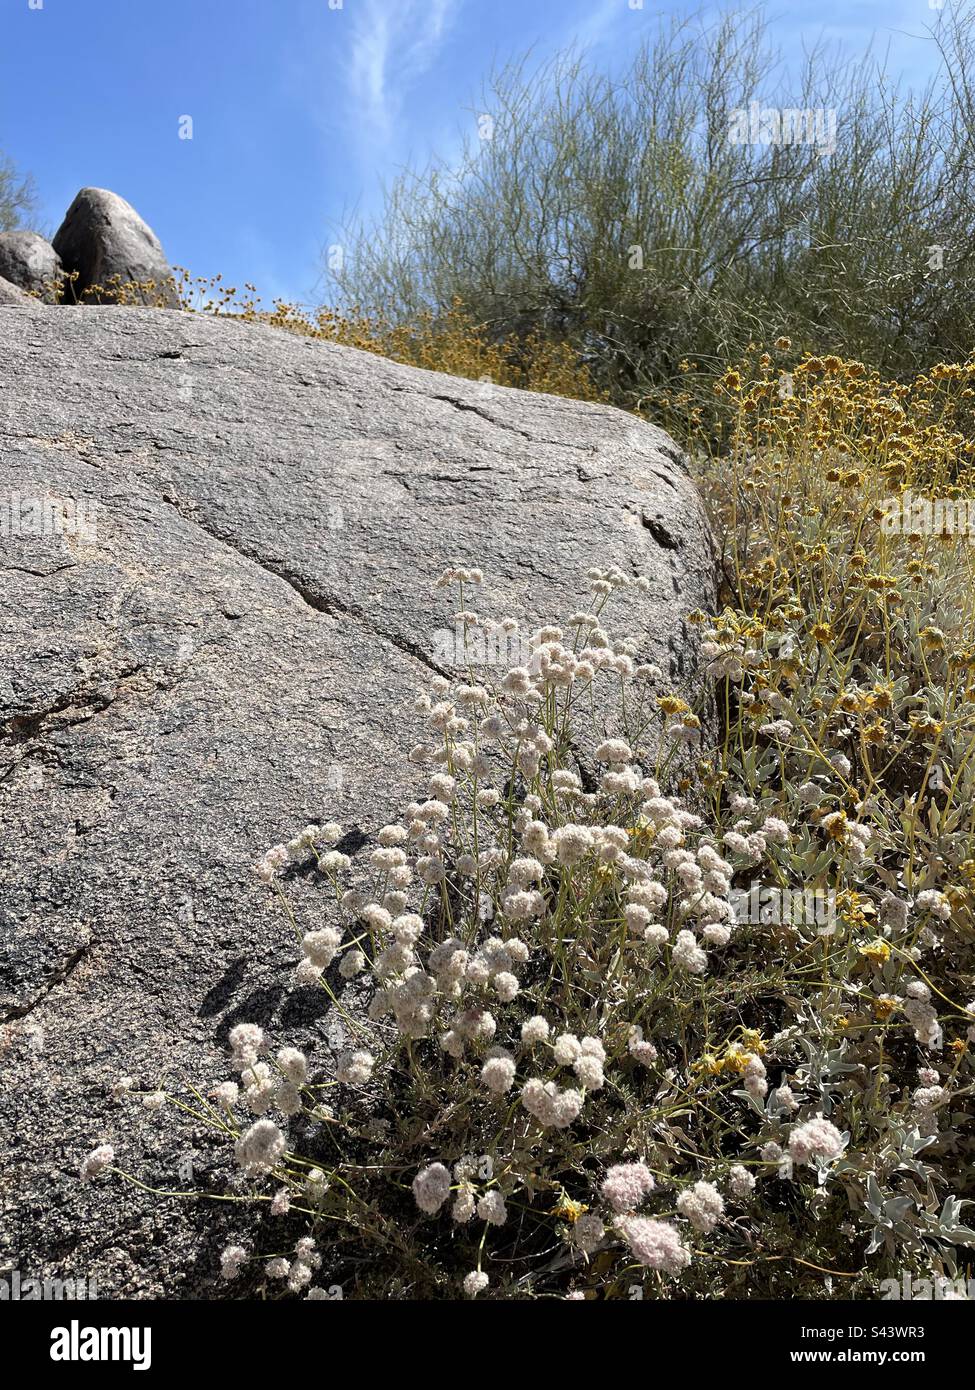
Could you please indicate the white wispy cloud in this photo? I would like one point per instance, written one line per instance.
(594, 22)
(396, 42)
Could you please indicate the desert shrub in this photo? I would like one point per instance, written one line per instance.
(613, 212)
(62, 288)
(452, 342)
(18, 197)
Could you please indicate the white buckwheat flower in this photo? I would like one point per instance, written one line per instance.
(687, 954)
(294, 1064)
(614, 750)
(506, 986)
(572, 844)
(246, 1043)
(817, 1140)
(321, 947)
(930, 900)
(703, 1206)
(498, 1071)
(231, 1260)
(491, 1208)
(626, 1184)
(639, 1048)
(97, 1161)
(431, 1187)
(534, 1030)
(355, 1068)
(656, 1244)
(741, 1182)
(259, 1148)
(776, 830)
(589, 1070)
(567, 1049)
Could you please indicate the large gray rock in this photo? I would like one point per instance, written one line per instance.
(31, 263)
(216, 637)
(13, 297)
(107, 243)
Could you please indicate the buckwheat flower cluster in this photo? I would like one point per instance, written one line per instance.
(927, 1100)
(786, 1100)
(776, 831)
(431, 1188)
(319, 949)
(588, 1066)
(655, 1244)
(640, 1048)
(572, 844)
(930, 900)
(725, 656)
(754, 1076)
(301, 1269)
(355, 1068)
(458, 574)
(534, 1030)
(316, 1186)
(293, 1065)
(741, 1183)
(247, 1042)
(464, 1204)
(475, 1282)
(231, 1260)
(780, 729)
(411, 1001)
(703, 1206)
(274, 860)
(551, 1107)
(687, 954)
(227, 1094)
(498, 1071)
(97, 1161)
(923, 1016)
(816, 1141)
(614, 751)
(261, 1086)
(260, 1148)
(626, 1184)
(491, 1208)
(470, 1028)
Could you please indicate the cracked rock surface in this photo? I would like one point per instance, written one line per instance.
(218, 545)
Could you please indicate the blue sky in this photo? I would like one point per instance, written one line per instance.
(302, 108)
